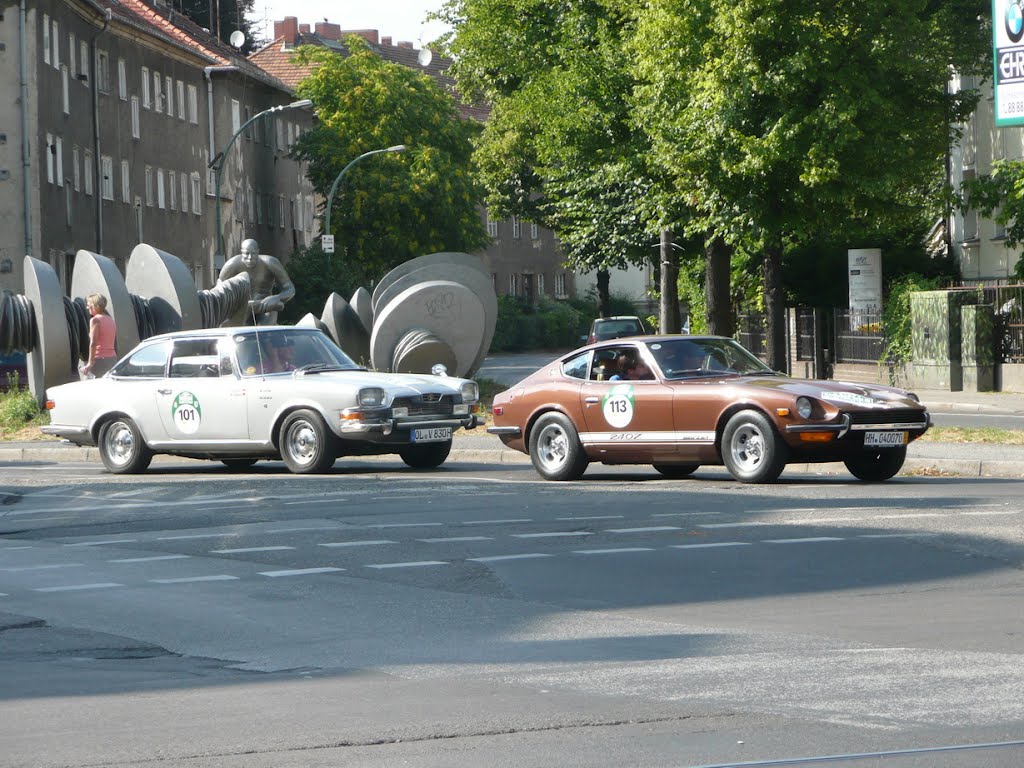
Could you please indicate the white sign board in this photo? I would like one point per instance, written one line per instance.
(327, 243)
(1008, 61)
(865, 272)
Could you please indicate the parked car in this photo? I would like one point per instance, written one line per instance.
(239, 395)
(678, 402)
(618, 327)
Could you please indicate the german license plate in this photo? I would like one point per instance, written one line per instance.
(432, 435)
(885, 439)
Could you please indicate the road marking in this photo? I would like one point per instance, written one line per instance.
(247, 549)
(999, 512)
(316, 501)
(904, 517)
(219, 577)
(808, 540)
(816, 520)
(683, 514)
(198, 536)
(41, 567)
(101, 543)
(300, 572)
(300, 530)
(357, 543)
(731, 525)
(895, 535)
(417, 564)
(610, 551)
(651, 529)
(457, 538)
(404, 525)
(8, 549)
(710, 546)
(592, 517)
(555, 534)
(496, 522)
(495, 558)
(76, 587)
(149, 559)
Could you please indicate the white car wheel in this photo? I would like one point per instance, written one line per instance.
(122, 448)
(305, 443)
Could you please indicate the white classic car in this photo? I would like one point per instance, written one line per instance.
(239, 395)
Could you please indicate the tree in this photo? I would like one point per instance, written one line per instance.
(560, 148)
(222, 17)
(1000, 193)
(778, 118)
(390, 207)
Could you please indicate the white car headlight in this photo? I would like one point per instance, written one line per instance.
(371, 397)
(804, 407)
(470, 392)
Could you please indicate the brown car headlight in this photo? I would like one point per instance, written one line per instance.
(804, 407)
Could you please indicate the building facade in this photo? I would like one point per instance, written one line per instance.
(118, 110)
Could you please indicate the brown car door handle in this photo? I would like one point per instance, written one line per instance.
(592, 400)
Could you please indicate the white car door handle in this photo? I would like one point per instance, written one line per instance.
(591, 400)
(164, 391)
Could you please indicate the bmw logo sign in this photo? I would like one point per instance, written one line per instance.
(1014, 21)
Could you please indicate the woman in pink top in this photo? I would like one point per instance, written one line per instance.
(102, 334)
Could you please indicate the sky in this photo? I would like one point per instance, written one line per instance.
(399, 19)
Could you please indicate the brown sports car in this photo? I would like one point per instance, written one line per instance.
(677, 402)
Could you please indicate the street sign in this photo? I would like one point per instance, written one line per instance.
(327, 242)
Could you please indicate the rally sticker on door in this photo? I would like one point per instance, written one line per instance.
(186, 413)
(617, 405)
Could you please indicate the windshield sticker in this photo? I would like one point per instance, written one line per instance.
(186, 413)
(617, 405)
(850, 397)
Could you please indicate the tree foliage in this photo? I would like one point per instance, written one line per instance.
(1000, 194)
(389, 207)
(231, 15)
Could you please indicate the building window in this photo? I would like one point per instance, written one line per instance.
(172, 188)
(158, 95)
(193, 105)
(46, 38)
(138, 219)
(291, 137)
(149, 186)
(517, 228)
(76, 171)
(65, 96)
(184, 193)
(248, 129)
(280, 212)
(169, 90)
(59, 161)
(50, 150)
(161, 190)
(145, 88)
(308, 214)
(181, 100)
(87, 171)
(126, 182)
(102, 71)
(513, 285)
(107, 182)
(560, 291)
(136, 131)
(540, 285)
(72, 47)
(55, 39)
(83, 62)
(534, 231)
(122, 79)
(238, 204)
(196, 191)
(236, 115)
(250, 204)
(492, 226)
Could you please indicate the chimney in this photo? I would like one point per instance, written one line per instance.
(386, 41)
(405, 44)
(328, 31)
(288, 29)
(304, 29)
(370, 35)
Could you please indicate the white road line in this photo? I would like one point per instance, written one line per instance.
(240, 550)
(404, 525)
(316, 501)
(808, 540)
(41, 567)
(683, 514)
(219, 577)
(357, 543)
(895, 535)
(610, 551)
(300, 530)
(3, 594)
(592, 517)
(496, 522)
(903, 517)
(711, 546)
(651, 529)
(555, 534)
(8, 549)
(457, 538)
(300, 572)
(495, 558)
(76, 587)
(418, 564)
(994, 512)
(198, 536)
(816, 520)
(149, 559)
(101, 543)
(731, 525)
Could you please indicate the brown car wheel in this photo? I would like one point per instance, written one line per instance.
(555, 448)
(876, 466)
(752, 450)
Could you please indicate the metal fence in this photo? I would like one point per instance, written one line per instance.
(751, 332)
(1008, 303)
(858, 337)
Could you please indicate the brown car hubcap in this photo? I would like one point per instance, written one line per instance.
(748, 447)
(554, 447)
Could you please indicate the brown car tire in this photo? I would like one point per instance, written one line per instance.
(752, 450)
(555, 448)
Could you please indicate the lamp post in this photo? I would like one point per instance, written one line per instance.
(337, 180)
(223, 154)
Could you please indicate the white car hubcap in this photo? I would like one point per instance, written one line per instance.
(120, 443)
(302, 442)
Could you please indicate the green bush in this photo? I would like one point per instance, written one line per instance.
(896, 315)
(18, 408)
(551, 324)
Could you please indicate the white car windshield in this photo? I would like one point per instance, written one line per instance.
(282, 351)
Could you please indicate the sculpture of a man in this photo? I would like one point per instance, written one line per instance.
(265, 274)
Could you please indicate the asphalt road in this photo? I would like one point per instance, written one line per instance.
(478, 616)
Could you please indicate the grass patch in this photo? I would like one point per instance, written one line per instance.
(19, 413)
(988, 435)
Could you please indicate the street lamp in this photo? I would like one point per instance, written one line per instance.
(337, 180)
(221, 156)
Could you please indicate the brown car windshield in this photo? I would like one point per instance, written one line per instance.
(692, 358)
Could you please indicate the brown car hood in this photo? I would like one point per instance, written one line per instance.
(842, 394)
